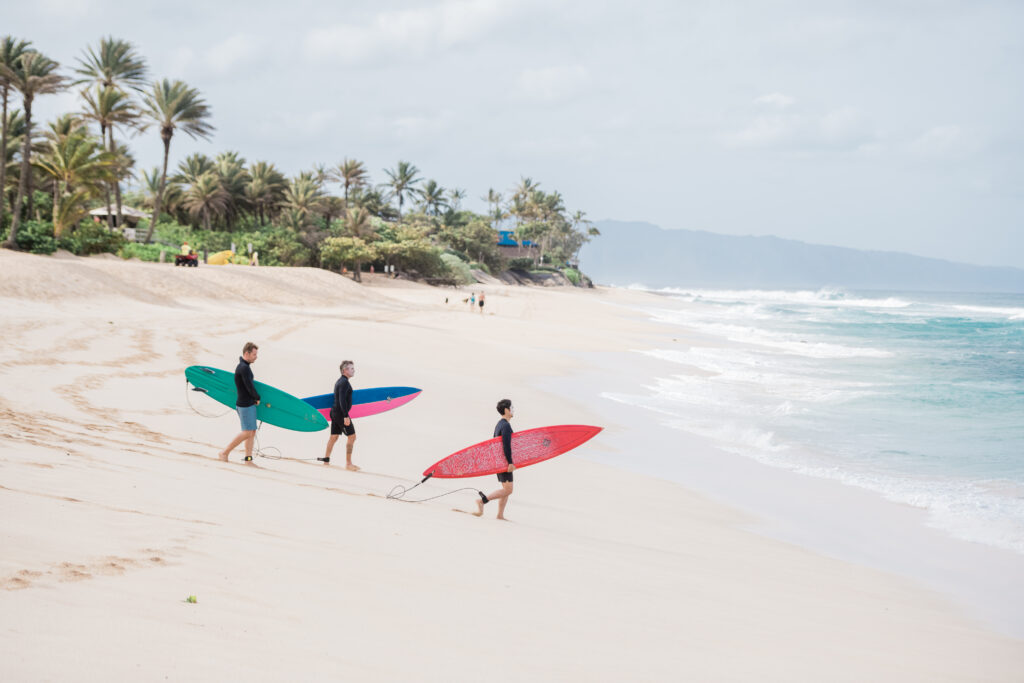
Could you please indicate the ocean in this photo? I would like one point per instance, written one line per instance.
(917, 397)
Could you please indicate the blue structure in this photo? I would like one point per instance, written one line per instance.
(505, 239)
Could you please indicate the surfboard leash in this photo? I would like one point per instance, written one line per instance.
(399, 491)
(195, 410)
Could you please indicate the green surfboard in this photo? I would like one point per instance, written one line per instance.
(276, 407)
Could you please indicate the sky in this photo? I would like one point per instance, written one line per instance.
(884, 125)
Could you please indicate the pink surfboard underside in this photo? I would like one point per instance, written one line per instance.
(528, 447)
(367, 409)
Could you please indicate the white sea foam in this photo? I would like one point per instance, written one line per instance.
(822, 297)
(991, 311)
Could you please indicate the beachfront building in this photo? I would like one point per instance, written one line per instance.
(131, 216)
(510, 248)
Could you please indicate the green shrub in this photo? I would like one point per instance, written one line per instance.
(36, 237)
(520, 263)
(143, 252)
(573, 276)
(458, 269)
(92, 238)
(476, 265)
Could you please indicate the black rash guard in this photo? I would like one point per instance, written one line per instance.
(504, 430)
(247, 394)
(342, 399)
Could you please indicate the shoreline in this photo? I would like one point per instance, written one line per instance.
(824, 516)
(114, 508)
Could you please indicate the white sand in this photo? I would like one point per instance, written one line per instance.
(114, 508)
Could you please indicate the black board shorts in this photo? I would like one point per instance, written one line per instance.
(505, 476)
(338, 426)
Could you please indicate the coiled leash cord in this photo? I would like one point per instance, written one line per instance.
(398, 492)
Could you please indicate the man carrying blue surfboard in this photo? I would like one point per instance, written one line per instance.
(245, 404)
(504, 430)
(341, 421)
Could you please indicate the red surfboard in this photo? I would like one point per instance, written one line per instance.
(528, 448)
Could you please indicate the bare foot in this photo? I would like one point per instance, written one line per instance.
(479, 509)
(350, 466)
(223, 456)
(504, 519)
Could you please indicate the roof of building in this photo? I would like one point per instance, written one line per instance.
(125, 211)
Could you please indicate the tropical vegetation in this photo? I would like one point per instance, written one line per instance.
(330, 216)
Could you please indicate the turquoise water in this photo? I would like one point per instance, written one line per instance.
(918, 397)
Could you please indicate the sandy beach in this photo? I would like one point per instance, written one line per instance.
(114, 508)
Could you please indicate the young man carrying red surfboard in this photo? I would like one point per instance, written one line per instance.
(341, 422)
(504, 430)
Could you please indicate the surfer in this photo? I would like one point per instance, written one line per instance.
(248, 399)
(504, 430)
(341, 423)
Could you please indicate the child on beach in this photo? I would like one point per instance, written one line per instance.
(341, 423)
(504, 430)
(248, 399)
(481, 303)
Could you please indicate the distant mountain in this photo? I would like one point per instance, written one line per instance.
(641, 253)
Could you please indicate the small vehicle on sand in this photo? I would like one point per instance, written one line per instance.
(187, 260)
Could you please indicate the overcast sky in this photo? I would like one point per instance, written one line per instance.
(891, 125)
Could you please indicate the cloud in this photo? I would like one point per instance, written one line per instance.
(775, 99)
(942, 141)
(839, 128)
(394, 35)
(234, 51)
(552, 83)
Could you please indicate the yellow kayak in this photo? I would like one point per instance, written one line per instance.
(220, 258)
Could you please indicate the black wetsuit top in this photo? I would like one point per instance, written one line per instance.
(504, 430)
(247, 394)
(342, 399)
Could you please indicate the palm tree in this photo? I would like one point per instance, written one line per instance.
(172, 194)
(206, 197)
(15, 124)
(192, 167)
(331, 206)
(303, 195)
(110, 107)
(456, 195)
(234, 178)
(432, 198)
(34, 74)
(359, 225)
(266, 188)
(173, 105)
(78, 165)
(402, 182)
(11, 50)
(351, 174)
(115, 66)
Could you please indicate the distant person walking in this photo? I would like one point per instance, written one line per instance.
(248, 399)
(481, 303)
(504, 430)
(472, 301)
(341, 422)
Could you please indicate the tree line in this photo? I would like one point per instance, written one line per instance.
(330, 216)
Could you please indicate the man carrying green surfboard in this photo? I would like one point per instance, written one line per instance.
(248, 399)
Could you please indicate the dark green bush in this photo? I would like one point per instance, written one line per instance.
(521, 263)
(36, 237)
(92, 238)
